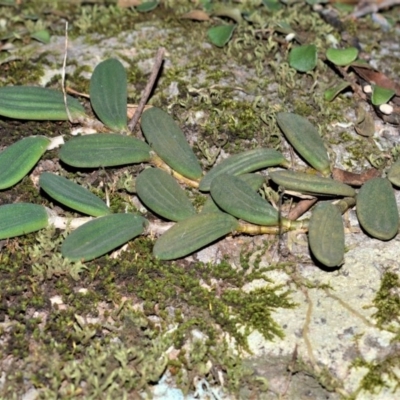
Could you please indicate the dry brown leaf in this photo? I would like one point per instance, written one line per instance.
(128, 3)
(365, 124)
(350, 178)
(196, 15)
(377, 78)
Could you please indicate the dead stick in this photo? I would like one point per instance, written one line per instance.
(146, 94)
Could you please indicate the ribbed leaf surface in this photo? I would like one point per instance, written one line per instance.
(108, 94)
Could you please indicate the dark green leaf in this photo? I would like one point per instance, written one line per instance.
(108, 94)
(377, 209)
(192, 234)
(160, 192)
(98, 237)
(326, 235)
(169, 142)
(19, 158)
(72, 195)
(104, 150)
(21, 218)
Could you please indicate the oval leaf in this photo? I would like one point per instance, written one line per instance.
(311, 184)
(377, 210)
(72, 195)
(147, 6)
(303, 58)
(104, 150)
(37, 103)
(242, 163)
(160, 192)
(326, 235)
(237, 198)
(192, 234)
(19, 158)
(21, 218)
(305, 139)
(169, 142)
(381, 95)
(108, 94)
(98, 237)
(220, 35)
(342, 57)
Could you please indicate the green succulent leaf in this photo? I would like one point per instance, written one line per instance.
(98, 237)
(237, 198)
(37, 103)
(108, 94)
(326, 235)
(342, 57)
(147, 6)
(21, 218)
(303, 58)
(381, 95)
(169, 142)
(377, 210)
(242, 163)
(221, 35)
(255, 181)
(311, 184)
(305, 139)
(192, 234)
(104, 150)
(210, 206)
(42, 36)
(19, 158)
(330, 94)
(72, 195)
(160, 192)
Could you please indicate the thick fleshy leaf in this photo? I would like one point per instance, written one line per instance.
(381, 95)
(161, 193)
(303, 58)
(72, 195)
(331, 93)
(305, 139)
(311, 184)
(108, 94)
(21, 218)
(377, 210)
(169, 142)
(237, 198)
(248, 161)
(342, 57)
(37, 103)
(19, 158)
(221, 34)
(98, 237)
(104, 150)
(326, 235)
(192, 234)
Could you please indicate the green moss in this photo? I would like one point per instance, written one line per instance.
(387, 300)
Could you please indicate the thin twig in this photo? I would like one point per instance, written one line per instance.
(63, 73)
(149, 87)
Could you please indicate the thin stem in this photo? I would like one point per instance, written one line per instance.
(149, 87)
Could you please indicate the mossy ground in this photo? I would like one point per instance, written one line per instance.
(120, 318)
